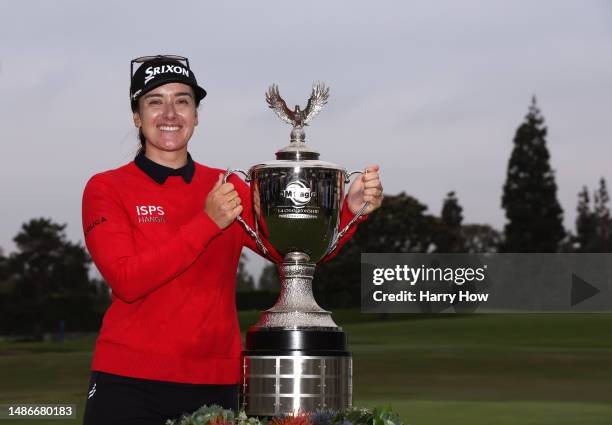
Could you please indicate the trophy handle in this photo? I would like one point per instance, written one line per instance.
(361, 211)
(248, 229)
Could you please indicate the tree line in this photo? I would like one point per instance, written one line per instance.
(45, 284)
(46, 281)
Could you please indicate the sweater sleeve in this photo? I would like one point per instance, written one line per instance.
(133, 274)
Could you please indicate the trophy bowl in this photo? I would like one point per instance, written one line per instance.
(298, 205)
(296, 357)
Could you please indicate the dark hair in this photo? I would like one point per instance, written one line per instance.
(143, 142)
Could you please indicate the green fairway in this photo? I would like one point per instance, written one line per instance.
(521, 369)
(45, 373)
(495, 369)
(499, 413)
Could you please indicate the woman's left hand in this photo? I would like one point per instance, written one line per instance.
(367, 188)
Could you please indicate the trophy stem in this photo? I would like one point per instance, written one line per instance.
(296, 306)
(297, 135)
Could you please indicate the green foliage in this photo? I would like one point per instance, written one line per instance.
(385, 416)
(480, 238)
(593, 225)
(6, 286)
(585, 222)
(451, 214)
(450, 237)
(48, 282)
(216, 415)
(401, 225)
(530, 192)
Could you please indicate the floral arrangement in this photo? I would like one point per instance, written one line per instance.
(216, 415)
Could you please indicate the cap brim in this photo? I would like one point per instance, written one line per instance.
(200, 93)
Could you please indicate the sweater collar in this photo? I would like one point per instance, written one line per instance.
(160, 173)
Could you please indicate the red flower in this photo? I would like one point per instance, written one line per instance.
(299, 419)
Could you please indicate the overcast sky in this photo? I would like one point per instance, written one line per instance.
(433, 91)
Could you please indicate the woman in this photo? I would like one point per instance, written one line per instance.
(162, 232)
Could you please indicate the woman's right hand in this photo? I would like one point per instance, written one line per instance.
(223, 204)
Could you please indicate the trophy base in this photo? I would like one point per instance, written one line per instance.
(271, 319)
(290, 371)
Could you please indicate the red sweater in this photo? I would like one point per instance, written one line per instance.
(172, 273)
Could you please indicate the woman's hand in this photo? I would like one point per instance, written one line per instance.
(223, 203)
(367, 188)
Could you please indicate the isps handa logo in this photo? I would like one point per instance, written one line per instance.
(150, 214)
(299, 193)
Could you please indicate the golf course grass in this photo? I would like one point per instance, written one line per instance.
(477, 369)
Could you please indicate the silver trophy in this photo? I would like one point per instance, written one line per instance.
(296, 357)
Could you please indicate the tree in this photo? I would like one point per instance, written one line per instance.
(585, 222)
(3, 266)
(50, 282)
(400, 225)
(593, 224)
(602, 218)
(244, 280)
(5, 284)
(530, 192)
(450, 238)
(480, 238)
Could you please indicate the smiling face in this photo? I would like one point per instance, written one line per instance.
(167, 116)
